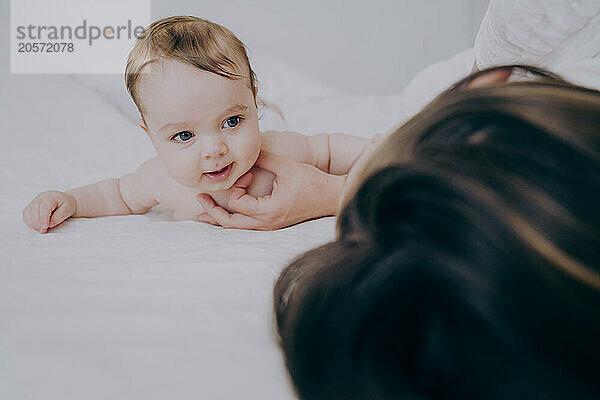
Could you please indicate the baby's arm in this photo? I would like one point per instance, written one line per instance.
(333, 153)
(131, 194)
(339, 150)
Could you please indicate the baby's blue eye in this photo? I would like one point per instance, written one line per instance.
(232, 122)
(183, 136)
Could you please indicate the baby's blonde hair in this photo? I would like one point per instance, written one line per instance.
(191, 40)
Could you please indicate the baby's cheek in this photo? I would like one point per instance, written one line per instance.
(257, 144)
(183, 179)
(249, 147)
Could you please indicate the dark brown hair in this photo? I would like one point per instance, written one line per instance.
(467, 260)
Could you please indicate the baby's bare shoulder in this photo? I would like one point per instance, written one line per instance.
(138, 189)
(152, 166)
(287, 144)
(154, 173)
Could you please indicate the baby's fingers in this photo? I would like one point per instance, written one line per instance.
(59, 215)
(44, 212)
(37, 214)
(31, 216)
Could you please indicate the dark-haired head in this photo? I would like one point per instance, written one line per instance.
(467, 260)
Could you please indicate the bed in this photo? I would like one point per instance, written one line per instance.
(143, 307)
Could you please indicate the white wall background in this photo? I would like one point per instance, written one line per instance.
(358, 46)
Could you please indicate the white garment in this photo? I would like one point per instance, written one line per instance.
(562, 36)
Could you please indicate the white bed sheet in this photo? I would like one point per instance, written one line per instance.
(142, 307)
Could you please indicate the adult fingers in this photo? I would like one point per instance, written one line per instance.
(241, 201)
(244, 181)
(226, 219)
(206, 219)
(239, 190)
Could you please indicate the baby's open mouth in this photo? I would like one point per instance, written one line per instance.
(219, 175)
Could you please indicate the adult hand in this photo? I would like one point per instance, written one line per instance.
(300, 192)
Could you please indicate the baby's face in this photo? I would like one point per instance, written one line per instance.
(199, 123)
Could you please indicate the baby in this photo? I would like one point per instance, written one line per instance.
(197, 97)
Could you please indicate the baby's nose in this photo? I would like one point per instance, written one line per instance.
(219, 149)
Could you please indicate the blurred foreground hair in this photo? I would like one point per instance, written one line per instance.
(467, 260)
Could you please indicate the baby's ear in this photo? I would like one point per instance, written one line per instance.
(142, 125)
(491, 77)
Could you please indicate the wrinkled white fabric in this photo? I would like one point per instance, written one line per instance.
(141, 306)
(560, 35)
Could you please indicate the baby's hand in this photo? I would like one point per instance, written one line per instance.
(48, 209)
